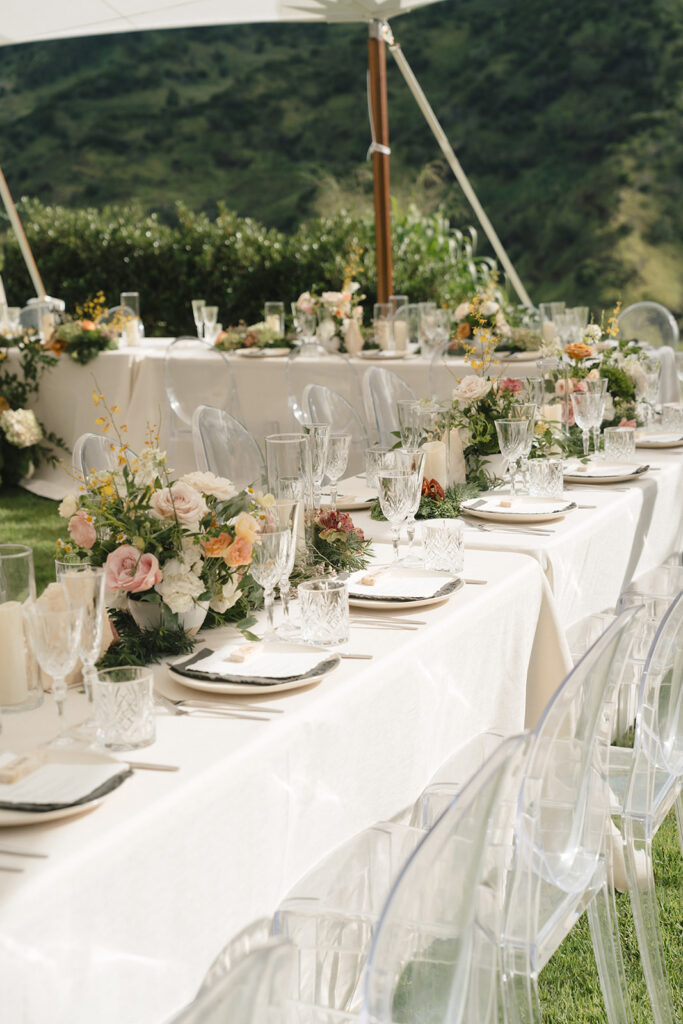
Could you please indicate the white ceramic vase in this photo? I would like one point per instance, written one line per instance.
(148, 616)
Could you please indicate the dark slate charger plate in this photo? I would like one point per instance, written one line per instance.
(445, 591)
(96, 794)
(186, 668)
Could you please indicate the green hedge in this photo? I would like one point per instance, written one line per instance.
(233, 262)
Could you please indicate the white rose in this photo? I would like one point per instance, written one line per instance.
(68, 505)
(180, 587)
(489, 308)
(471, 389)
(181, 502)
(592, 334)
(462, 311)
(21, 427)
(208, 483)
(148, 466)
(229, 596)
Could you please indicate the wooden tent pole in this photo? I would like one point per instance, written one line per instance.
(379, 112)
(18, 229)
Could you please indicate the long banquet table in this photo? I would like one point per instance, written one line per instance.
(136, 897)
(133, 378)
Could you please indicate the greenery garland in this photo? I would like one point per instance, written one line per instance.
(447, 507)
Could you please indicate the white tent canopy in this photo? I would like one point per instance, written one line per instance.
(28, 21)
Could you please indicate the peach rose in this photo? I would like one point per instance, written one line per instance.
(246, 526)
(128, 570)
(81, 529)
(578, 350)
(181, 502)
(239, 552)
(214, 547)
(464, 330)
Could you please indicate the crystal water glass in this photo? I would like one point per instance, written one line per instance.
(124, 707)
(55, 637)
(620, 443)
(324, 611)
(286, 515)
(338, 448)
(289, 475)
(20, 687)
(443, 542)
(269, 559)
(376, 459)
(318, 436)
(274, 317)
(410, 423)
(304, 324)
(396, 490)
(197, 315)
(512, 438)
(672, 416)
(85, 588)
(549, 310)
(588, 412)
(546, 478)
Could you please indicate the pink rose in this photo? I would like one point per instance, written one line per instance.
(82, 530)
(305, 302)
(578, 386)
(181, 502)
(627, 423)
(128, 570)
(239, 552)
(511, 384)
(561, 387)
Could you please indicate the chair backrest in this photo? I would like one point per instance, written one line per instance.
(93, 453)
(327, 406)
(434, 954)
(649, 322)
(226, 448)
(385, 389)
(197, 374)
(444, 373)
(312, 364)
(655, 590)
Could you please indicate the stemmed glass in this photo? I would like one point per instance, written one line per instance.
(410, 423)
(197, 315)
(209, 318)
(411, 462)
(85, 589)
(318, 434)
(525, 411)
(512, 438)
(597, 387)
(396, 490)
(304, 324)
(653, 371)
(588, 410)
(286, 514)
(268, 564)
(55, 638)
(338, 446)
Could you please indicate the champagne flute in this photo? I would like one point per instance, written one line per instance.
(286, 513)
(55, 638)
(512, 436)
(411, 462)
(597, 387)
(338, 447)
(410, 423)
(319, 434)
(197, 307)
(85, 587)
(396, 497)
(209, 318)
(525, 411)
(268, 563)
(588, 411)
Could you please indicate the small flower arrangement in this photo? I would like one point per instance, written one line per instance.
(338, 545)
(79, 335)
(335, 310)
(255, 336)
(479, 326)
(173, 550)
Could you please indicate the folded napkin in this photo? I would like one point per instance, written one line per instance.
(600, 469)
(659, 438)
(401, 584)
(274, 663)
(505, 503)
(55, 785)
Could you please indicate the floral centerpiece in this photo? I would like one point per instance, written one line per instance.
(24, 442)
(337, 312)
(174, 550)
(254, 336)
(80, 336)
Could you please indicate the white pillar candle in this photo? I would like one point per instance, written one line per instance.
(400, 335)
(383, 334)
(274, 323)
(13, 680)
(435, 467)
(548, 331)
(131, 332)
(457, 468)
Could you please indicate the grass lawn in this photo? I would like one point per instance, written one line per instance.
(569, 984)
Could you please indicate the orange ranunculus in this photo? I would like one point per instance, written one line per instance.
(579, 350)
(56, 345)
(214, 547)
(88, 325)
(464, 330)
(239, 552)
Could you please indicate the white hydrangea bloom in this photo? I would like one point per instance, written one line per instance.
(228, 597)
(180, 587)
(21, 427)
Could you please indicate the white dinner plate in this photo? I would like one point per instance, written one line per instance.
(379, 353)
(521, 510)
(518, 357)
(615, 474)
(660, 441)
(396, 605)
(9, 819)
(350, 502)
(261, 353)
(240, 684)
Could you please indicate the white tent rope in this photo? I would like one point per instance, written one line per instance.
(21, 237)
(375, 146)
(454, 163)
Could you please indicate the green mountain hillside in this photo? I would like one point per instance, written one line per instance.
(567, 117)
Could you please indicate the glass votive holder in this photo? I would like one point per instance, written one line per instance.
(324, 606)
(377, 458)
(620, 443)
(545, 478)
(124, 707)
(443, 542)
(672, 416)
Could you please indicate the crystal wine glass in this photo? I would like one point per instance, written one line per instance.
(304, 324)
(318, 434)
(597, 387)
(588, 411)
(209, 318)
(197, 307)
(396, 497)
(55, 638)
(85, 586)
(268, 564)
(512, 437)
(525, 411)
(410, 423)
(411, 462)
(286, 515)
(338, 447)
(653, 371)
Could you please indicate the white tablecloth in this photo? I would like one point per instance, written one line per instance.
(134, 380)
(120, 922)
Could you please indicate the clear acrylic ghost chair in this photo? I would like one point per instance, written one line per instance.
(225, 447)
(93, 453)
(445, 370)
(655, 590)
(645, 782)
(385, 388)
(312, 364)
(649, 322)
(434, 957)
(197, 374)
(331, 912)
(560, 866)
(258, 989)
(327, 406)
